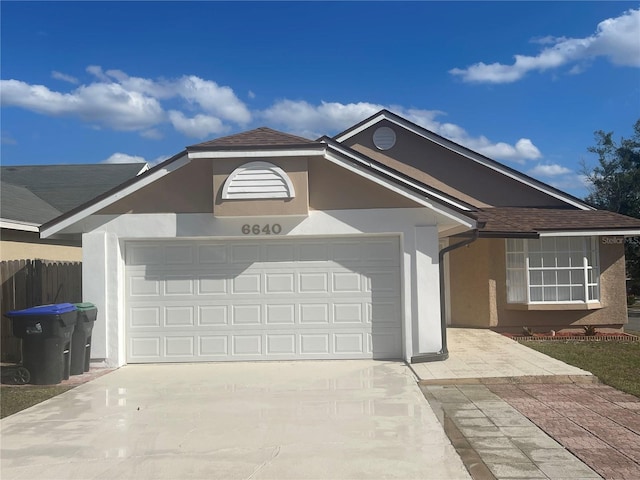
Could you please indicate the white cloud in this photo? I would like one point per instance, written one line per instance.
(548, 170)
(124, 158)
(615, 39)
(212, 98)
(103, 104)
(119, 157)
(523, 150)
(121, 102)
(561, 177)
(312, 121)
(97, 72)
(199, 126)
(64, 77)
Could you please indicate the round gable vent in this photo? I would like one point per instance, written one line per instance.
(384, 138)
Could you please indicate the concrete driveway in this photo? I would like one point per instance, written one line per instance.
(284, 420)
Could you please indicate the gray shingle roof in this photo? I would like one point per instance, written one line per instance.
(531, 221)
(259, 137)
(39, 193)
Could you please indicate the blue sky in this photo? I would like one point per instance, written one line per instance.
(525, 83)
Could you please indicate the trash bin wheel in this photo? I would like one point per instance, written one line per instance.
(21, 376)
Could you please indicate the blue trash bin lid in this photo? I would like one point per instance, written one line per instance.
(54, 309)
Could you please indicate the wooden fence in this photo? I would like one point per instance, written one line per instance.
(27, 283)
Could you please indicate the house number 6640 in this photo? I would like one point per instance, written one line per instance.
(256, 229)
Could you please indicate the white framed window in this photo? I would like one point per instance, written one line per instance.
(553, 270)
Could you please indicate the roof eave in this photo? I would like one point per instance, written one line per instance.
(314, 149)
(591, 232)
(19, 225)
(223, 148)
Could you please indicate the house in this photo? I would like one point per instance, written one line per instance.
(35, 194)
(268, 246)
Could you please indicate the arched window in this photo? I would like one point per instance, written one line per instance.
(258, 180)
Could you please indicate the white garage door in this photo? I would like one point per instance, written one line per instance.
(270, 299)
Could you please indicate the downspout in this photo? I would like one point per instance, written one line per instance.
(443, 354)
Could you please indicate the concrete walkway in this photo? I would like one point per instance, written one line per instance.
(480, 353)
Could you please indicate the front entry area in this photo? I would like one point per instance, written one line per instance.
(263, 299)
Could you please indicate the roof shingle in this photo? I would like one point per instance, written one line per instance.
(510, 221)
(259, 137)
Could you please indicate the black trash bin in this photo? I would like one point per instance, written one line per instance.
(46, 333)
(81, 339)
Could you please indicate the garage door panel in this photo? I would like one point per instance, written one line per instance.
(179, 254)
(213, 346)
(212, 254)
(281, 344)
(177, 346)
(280, 314)
(245, 254)
(144, 347)
(212, 285)
(349, 313)
(179, 285)
(213, 315)
(279, 283)
(144, 286)
(179, 316)
(278, 300)
(145, 254)
(246, 345)
(281, 252)
(144, 317)
(246, 314)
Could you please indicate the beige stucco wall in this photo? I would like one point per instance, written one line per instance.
(449, 172)
(187, 190)
(319, 185)
(16, 245)
(331, 187)
(479, 296)
(294, 167)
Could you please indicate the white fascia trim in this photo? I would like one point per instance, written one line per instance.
(95, 207)
(475, 157)
(18, 225)
(257, 153)
(405, 192)
(592, 233)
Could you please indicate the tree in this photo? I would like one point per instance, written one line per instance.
(615, 186)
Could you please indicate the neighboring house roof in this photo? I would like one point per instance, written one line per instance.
(464, 151)
(22, 205)
(35, 194)
(534, 222)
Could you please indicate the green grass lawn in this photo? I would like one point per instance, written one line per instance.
(14, 399)
(614, 363)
